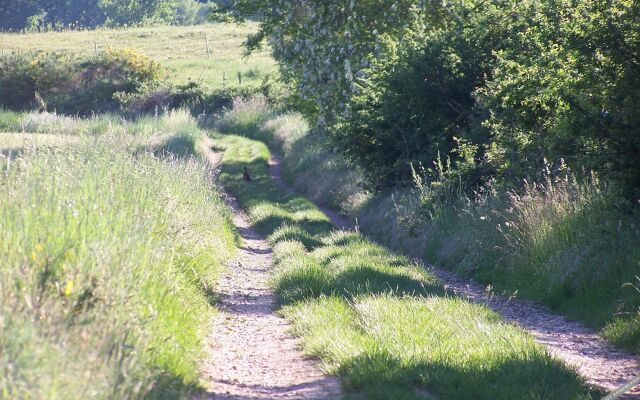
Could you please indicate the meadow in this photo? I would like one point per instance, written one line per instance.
(181, 50)
(111, 227)
(106, 239)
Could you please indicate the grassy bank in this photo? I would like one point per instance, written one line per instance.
(181, 49)
(104, 247)
(173, 123)
(570, 244)
(384, 325)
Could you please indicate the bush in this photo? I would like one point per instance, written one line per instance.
(572, 93)
(16, 85)
(508, 84)
(69, 85)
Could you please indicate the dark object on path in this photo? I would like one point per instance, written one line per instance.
(245, 175)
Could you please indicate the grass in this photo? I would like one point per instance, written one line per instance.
(309, 166)
(174, 122)
(383, 324)
(16, 142)
(569, 244)
(104, 247)
(181, 49)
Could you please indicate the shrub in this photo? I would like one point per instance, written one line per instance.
(570, 90)
(16, 85)
(395, 83)
(72, 85)
(158, 100)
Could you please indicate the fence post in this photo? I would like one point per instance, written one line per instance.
(206, 42)
(239, 78)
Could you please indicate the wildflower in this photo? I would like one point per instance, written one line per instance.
(68, 288)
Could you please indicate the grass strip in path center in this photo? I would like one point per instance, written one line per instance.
(384, 325)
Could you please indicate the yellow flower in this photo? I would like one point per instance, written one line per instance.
(68, 288)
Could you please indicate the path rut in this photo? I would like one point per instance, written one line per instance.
(601, 364)
(251, 353)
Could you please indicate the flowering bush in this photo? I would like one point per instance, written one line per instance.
(73, 85)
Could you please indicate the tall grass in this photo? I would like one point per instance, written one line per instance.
(310, 165)
(383, 324)
(174, 122)
(108, 261)
(244, 115)
(568, 243)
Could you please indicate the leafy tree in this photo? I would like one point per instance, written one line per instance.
(573, 93)
(137, 12)
(507, 82)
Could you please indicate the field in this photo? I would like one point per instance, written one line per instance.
(182, 50)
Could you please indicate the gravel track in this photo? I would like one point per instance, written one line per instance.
(251, 353)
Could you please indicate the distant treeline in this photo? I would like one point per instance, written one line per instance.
(39, 15)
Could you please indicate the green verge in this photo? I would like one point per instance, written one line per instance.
(384, 325)
(571, 245)
(109, 256)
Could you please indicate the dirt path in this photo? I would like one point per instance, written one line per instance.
(251, 353)
(601, 364)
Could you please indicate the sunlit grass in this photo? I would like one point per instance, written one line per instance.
(181, 49)
(571, 244)
(109, 256)
(173, 122)
(381, 323)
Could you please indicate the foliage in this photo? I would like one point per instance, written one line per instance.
(41, 15)
(49, 14)
(570, 91)
(495, 86)
(148, 12)
(72, 85)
